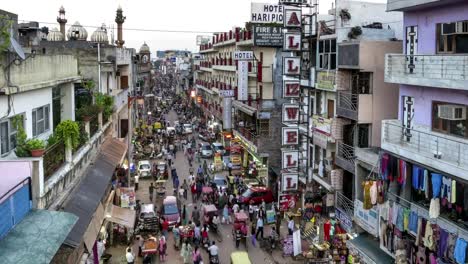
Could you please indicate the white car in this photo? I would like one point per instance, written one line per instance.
(206, 151)
(144, 168)
(188, 128)
(218, 148)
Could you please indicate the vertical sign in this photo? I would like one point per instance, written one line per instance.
(227, 113)
(242, 80)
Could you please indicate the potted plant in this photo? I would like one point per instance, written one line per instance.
(36, 147)
(69, 132)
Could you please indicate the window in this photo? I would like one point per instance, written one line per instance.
(452, 37)
(7, 136)
(451, 121)
(327, 54)
(40, 120)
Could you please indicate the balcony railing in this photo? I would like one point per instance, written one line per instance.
(345, 156)
(53, 158)
(248, 134)
(345, 204)
(347, 105)
(444, 71)
(430, 145)
(93, 125)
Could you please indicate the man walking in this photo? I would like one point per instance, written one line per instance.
(151, 190)
(230, 168)
(259, 227)
(137, 178)
(185, 188)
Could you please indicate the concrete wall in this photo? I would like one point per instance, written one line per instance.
(427, 19)
(67, 101)
(423, 98)
(13, 172)
(385, 95)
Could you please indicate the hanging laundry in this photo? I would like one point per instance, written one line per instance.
(384, 166)
(406, 215)
(429, 237)
(402, 172)
(460, 251)
(326, 230)
(426, 184)
(436, 184)
(454, 192)
(415, 177)
(373, 192)
(446, 188)
(434, 208)
(380, 192)
(393, 170)
(399, 222)
(383, 211)
(396, 209)
(442, 245)
(367, 195)
(413, 222)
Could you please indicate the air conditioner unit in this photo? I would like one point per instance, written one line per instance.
(452, 112)
(462, 27)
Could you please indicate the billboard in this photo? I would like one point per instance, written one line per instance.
(266, 13)
(267, 36)
(203, 40)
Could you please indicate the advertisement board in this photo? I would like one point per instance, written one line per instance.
(291, 65)
(292, 18)
(287, 202)
(292, 41)
(290, 113)
(345, 221)
(326, 80)
(367, 219)
(291, 89)
(267, 36)
(242, 80)
(290, 136)
(266, 13)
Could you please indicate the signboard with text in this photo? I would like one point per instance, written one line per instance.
(266, 13)
(291, 89)
(345, 221)
(291, 65)
(292, 41)
(267, 36)
(242, 80)
(292, 18)
(290, 159)
(226, 93)
(289, 181)
(287, 202)
(367, 219)
(243, 55)
(290, 113)
(290, 136)
(325, 80)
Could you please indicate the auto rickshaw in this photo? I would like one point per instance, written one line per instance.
(208, 197)
(209, 211)
(162, 170)
(240, 257)
(160, 186)
(240, 221)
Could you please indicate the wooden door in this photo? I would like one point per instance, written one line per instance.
(331, 108)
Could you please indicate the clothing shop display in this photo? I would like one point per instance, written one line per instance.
(449, 254)
(426, 184)
(399, 222)
(373, 192)
(406, 214)
(384, 166)
(401, 179)
(446, 190)
(436, 184)
(413, 222)
(380, 192)
(434, 208)
(429, 236)
(367, 204)
(460, 251)
(383, 210)
(326, 230)
(442, 245)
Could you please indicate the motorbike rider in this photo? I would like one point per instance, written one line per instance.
(273, 237)
(213, 252)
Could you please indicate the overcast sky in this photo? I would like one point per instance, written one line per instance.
(185, 15)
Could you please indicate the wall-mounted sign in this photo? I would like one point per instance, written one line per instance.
(292, 18)
(322, 125)
(291, 66)
(345, 220)
(226, 93)
(291, 89)
(266, 13)
(263, 115)
(290, 136)
(243, 55)
(292, 41)
(289, 181)
(326, 80)
(268, 36)
(290, 159)
(367, 219)
(287, 202)
(290, 113)
(242, 80)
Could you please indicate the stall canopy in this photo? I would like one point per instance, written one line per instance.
(86, 201)
(121, 216)
(369, 248)
(37, 237)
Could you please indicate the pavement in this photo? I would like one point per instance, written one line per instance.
(226, 247)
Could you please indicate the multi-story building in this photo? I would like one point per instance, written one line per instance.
(256, 119)
(430, 136)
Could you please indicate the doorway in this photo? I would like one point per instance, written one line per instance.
(330, 108)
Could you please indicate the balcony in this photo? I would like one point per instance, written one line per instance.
(327, 130)
(244, 38)
(411, 5)
(356, 107)
(345, 157)
(441, 152)
(41, 71)
(323, 175)
(248, 137)
(442, 71)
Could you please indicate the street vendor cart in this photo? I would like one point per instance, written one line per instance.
(160, 186)
(150, 246)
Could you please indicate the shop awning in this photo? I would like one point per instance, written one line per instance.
(121, 216)
(86, 201)
(37, 237)
(244, 108)
(368, 248)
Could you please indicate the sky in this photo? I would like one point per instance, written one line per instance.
(204, 16)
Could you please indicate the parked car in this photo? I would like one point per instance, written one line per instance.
(256, 194)
(218, 147)
(188, 128)
(144, 168)
(221, 182)
(206, 151)
(251, 182)
(170, 211)
(206, 136)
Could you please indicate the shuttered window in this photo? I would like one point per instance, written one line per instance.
(41, 120)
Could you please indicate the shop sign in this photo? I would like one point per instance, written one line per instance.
(290, 136)
(263, 115)
(266, 13)
(268, 36)
(322, 125)
(242, 80)
(243, 55)
(326, 80)
(320, 140)
(290, 113)
(367, 219)
(127, 197)
(345, 220)
(226, 93)
(292, 18)
(262, 172)
(287, 202)
(289, 181)
(290, 159)
(291, 89)
(292, 65)
(292, 41)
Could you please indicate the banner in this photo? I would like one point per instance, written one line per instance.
(268, 36)
(287, 202)
(242, 80)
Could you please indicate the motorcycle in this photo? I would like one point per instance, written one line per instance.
(214, 228)
(206, 243)
(214, 259)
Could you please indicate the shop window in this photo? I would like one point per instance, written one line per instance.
(450, 119)
(452, 37)
(361, 83)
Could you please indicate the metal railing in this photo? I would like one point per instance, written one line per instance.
(248, 134)
(344, 203)
(346, 152)
(426, 144)
(54, 157)
(348, 101)
(449, 67)
(93, 125)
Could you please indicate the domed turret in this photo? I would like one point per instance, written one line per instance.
(55, 35)
(100, 35)
(145, 48)
(77, 32)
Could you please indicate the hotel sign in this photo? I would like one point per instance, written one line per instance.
(292, 18)
(291, 89)
(290, 136)
(243, 55)
(289, 182)
(290, 113)
(292, 65)
(292, 41)
(290, 159)
(266, 13)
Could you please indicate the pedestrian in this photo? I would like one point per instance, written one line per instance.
(200, 171)
(251, 211)
(230, 168)
(261, 213)
(176, 183)
(129, 256)
(141, 242)
(196, 256)
(259, 228)
(226, 219)
(185, 189)
(199, 189)
(290, 226)
(165, 226)
(186, 251)
(184, 215)
(196, 216)
(162, 248)
(194, 192)
(278, 218)
(235, 208)
(197, 234)
(137, 178)
(151, 191)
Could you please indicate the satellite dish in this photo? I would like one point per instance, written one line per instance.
(16, 48)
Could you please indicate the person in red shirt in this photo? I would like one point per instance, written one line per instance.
(165, 227)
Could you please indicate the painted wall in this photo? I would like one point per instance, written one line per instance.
(427, 19)
(13, 172)
(424, 96)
